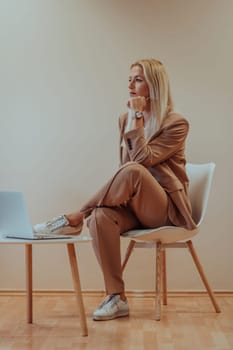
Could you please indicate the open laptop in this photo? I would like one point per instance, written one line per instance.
(14, 218)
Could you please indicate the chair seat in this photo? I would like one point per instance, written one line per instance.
(165, 234)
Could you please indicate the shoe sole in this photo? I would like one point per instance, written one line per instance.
(111, 317)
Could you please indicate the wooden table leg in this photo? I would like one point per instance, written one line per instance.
(77, 286)
(28, 260)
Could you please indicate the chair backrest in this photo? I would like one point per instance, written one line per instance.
(200, 177)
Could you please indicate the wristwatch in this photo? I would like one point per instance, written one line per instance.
(138, 115)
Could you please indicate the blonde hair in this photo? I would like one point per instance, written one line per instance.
(159, 88)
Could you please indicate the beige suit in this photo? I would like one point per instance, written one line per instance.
(148, 190)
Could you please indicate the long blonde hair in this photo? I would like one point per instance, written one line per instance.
(159, 88)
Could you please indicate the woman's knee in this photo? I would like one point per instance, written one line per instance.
(133, 168)
(101, 217)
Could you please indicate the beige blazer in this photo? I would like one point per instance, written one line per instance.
(164, 156)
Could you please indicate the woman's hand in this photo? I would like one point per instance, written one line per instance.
(137, 103)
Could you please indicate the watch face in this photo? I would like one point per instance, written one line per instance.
(138, 115)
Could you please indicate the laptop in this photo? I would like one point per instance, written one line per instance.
(14, 218)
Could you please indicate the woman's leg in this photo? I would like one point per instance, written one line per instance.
(134, 187)
(106, 225)
(75, 218)
(131, 199)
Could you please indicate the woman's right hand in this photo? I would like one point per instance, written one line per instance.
(137, 103)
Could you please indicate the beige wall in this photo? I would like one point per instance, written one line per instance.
(64, 73)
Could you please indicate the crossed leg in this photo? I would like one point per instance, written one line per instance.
(131, 198)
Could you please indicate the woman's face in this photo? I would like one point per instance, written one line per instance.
(137, 83)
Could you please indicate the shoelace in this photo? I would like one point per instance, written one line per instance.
(111, 300)
(56, 223)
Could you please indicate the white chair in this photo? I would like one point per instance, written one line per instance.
(200, 176)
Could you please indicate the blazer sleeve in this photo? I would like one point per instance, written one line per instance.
(121, 123)
(166, 142)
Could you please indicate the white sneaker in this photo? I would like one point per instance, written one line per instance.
(58, 225)
(111, 308)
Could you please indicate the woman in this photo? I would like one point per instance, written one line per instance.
(148, 190)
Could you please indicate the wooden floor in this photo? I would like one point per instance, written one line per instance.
(188, 323)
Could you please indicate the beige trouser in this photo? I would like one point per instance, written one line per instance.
(131, 199)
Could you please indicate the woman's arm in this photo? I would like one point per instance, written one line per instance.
(166, 142)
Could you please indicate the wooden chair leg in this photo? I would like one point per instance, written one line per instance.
(164, 276)
(77, 286)
(128, 253)
(158, 282)
(28, 262)
(203, 277)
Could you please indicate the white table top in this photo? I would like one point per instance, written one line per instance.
(73, 239)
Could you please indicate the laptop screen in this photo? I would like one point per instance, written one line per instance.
(14, 219)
